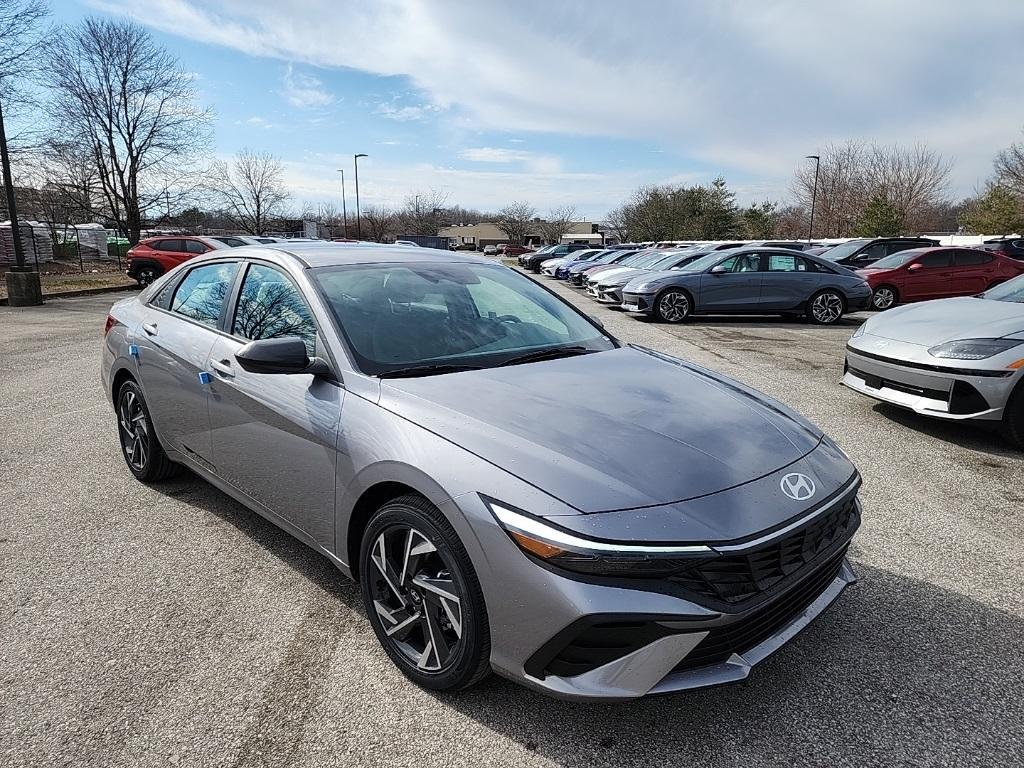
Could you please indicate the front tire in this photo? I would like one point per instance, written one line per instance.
(826, 308)
(673, 306)
(422, 596)
(1013, 420)
(140, 447)
(884, 297)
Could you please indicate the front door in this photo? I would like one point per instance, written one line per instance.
(174, 342)
(931, 279)
(274, 435)
(736, 289)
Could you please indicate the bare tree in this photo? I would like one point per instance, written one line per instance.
(911, 179)
(618, 222)
(251, 191)
(1009, 167)
(841, 190)
(558, 223)
(24, 36)
(516, 220)
(131, 104)
(423, 213)
(379, 223)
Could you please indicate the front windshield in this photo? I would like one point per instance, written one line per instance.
(896, 259)
(1011, 290)
(406, 316)
(842, 250)
(704, 262)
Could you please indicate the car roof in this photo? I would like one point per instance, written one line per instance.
(328, 254)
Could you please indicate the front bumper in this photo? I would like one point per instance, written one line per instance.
(955, 394)
(609, 295)
(655, 639)
(639, 303)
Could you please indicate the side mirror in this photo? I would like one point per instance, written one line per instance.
(286, 355)
(914, 267)
(718, 269)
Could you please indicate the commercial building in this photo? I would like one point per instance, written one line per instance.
(478, 236)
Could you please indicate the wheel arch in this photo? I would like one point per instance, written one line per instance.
(121, 375)
(690, 296)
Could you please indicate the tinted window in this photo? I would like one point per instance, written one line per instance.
(234, 242)
(271, 307)
(966, 258)
(407, 315)
(843, 250)
(194, 246)
(875, 251)
(163, 298)
(905, 245)
(783, 262)
(933, 260)
(896, 260)
(201, 294)
(742, 262)
(173, 246)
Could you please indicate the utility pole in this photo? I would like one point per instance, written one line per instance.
(359, 231)
(23, 288)
(814, 194)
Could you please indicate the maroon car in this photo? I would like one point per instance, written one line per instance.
(920, 274)
(156, 255)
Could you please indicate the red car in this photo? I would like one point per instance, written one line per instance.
(515, 250)
(156, 255)
(920, 274)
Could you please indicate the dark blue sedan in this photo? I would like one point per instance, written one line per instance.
(750, 281)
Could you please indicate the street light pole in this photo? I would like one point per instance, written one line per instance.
(814, 194)
(344, 210)
(359, 230)
(23, 288)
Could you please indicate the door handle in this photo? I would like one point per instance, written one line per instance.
(223, 367)
(149, 328)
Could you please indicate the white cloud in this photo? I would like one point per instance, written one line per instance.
(303, 91)
(407, 113)
(748, 87)
(535, 162)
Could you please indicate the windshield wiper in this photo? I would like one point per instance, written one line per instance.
(425, 370)
(548, 354)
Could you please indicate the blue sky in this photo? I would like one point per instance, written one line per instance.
(579, 102)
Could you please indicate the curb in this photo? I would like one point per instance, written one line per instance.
(80, 292)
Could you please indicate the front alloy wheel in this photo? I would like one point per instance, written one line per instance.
(422, 596)
(883, 297)
(826, 308)
(672, 307)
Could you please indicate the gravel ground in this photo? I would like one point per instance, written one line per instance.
(170, 626)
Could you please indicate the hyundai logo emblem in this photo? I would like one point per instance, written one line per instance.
(797, 486)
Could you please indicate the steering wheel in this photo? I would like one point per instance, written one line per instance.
(508, 319)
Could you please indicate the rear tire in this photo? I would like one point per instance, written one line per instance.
(884, 297)
(826, 307)
(146, 275)
(440, 643)
(145, 457)
(673, 306)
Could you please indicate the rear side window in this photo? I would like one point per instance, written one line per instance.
(905, 245)
(967, 258)
(171, 246)
(271, 307)
(234, 242)
(783, 262)
(933, 260)
(876, 251)
(195, 246)
(200, 296)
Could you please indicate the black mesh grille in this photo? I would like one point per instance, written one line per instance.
(736, 578)
(759, 625)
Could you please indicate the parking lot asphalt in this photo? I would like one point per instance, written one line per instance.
(168, 625)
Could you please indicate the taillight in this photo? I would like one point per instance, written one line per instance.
(111, 322)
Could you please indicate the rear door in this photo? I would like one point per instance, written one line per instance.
(274, 435)
(932, 280)
(787, 282)
(174, 340)
(973, 272)
(736, 289)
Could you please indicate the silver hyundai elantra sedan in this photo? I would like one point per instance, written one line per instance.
(514, 489)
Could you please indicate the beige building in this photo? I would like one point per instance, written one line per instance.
(484, 234)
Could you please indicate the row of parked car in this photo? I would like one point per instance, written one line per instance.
(774, 277)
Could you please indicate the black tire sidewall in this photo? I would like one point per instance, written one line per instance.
(148, 472)
(475, 643)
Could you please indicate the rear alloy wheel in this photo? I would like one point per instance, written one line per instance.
(145, 276)
(422, 596)
(673, 306)
(142, 451)
(826, 308)
(883, 298)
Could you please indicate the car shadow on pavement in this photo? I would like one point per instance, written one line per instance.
(965, 434)
(755, 321)
(898, 672)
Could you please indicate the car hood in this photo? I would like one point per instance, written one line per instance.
(607, 431)
(933, 322)
(622, 276)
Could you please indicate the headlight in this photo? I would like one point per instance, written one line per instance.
(576, 553)
(647, 287)
(973, 349)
